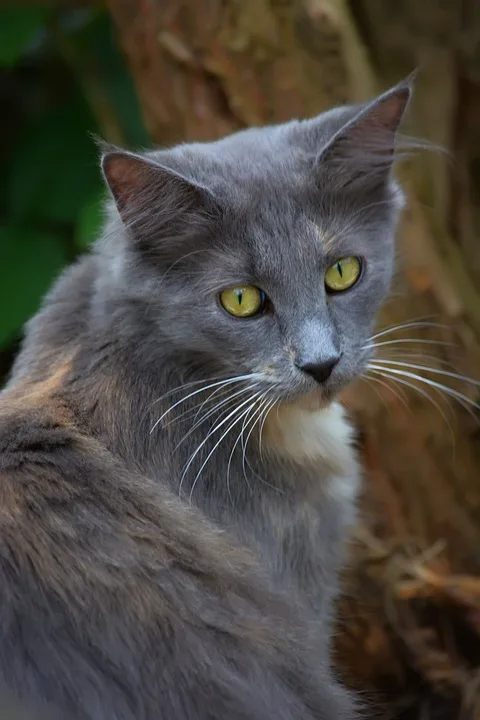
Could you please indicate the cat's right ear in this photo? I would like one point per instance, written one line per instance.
(160, 207)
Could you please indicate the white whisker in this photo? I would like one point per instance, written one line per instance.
(462, 399)
(224, 434)
(221, 389)
(407, 355)
(405, 326)
(424, 394)
(267, 411)
(264, 410)
(401, 341)
(230, 381)
(195, 409)
(212, 432)
(257, 416)
(368, 379)
(436, 371)
(187, 385)
(402, 397)
(245, 423)
(227, 401)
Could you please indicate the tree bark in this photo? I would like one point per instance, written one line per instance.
(410, 623)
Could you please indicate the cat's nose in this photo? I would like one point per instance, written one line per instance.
(320, 370)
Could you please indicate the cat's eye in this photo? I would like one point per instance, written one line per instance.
(244, 301)
(343, 274)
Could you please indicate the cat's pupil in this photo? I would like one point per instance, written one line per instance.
(340, 270)
(239, 296)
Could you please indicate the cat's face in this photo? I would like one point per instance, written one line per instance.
(270, 251)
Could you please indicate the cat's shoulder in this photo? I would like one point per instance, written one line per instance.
(33, 417)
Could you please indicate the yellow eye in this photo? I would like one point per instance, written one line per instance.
(343, 274)
(243, 301)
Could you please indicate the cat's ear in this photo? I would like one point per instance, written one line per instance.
(159, 206)
(364, 148)
(140, 185)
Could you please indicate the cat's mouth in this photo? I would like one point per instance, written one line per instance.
(317, 399)
(307, 398)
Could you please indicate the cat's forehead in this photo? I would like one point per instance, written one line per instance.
(242, 160)
(266, 179)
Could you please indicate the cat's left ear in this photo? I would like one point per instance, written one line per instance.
(364, 148)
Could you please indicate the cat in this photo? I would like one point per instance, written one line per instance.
(177, 477)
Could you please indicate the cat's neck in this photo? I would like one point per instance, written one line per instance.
(304, 433)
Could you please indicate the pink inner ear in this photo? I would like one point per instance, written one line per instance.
(371, 137)
(126, 176)
(388, 114)
(381, 122)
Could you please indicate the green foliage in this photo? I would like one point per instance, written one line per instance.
(19, 26)
(64, 81)
(33, 258)
(55, 167)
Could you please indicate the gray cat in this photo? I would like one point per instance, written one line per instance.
(176, 477)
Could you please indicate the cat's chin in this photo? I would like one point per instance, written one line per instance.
(311, 402)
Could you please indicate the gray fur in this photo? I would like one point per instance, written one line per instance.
(140, 607)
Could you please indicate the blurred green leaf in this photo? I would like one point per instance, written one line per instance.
(89, 222)
(52, 193)
(30, 260)
(55, 170)
(18, 28)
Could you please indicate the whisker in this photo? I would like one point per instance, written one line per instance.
(221, 389)
(424, 394)
(407, 325)
(179, 260)
(245, 423)
(368, 379)
(462, 399)
(245, 460)
(402, 397)
(258, 416)
(398, 341)
(407, 355)
(212, 432)
(239, 378)
(224, 434)
(267, 411)
(196, 409)
(186, 385)
(227, 401)
(436, 371)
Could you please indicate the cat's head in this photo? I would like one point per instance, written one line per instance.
(269, 251)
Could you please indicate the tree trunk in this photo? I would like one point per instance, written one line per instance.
(410, 622)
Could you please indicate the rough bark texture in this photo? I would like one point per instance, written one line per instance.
(410, 623)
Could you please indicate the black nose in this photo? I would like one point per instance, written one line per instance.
(320, 371)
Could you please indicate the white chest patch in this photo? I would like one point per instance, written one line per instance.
(310, 436)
